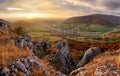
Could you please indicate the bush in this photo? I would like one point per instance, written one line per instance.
(19, 30)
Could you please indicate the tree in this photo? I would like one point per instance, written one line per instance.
(19, 30)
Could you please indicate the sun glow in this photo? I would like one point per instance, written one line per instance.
(33, 15)
(26, 15)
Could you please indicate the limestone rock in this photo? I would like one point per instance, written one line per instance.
(79, 72)
(105, 70)
(63, 60)
(88, 56)
(4, 25)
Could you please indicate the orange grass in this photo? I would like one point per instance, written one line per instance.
(103, 59)
(9, 52)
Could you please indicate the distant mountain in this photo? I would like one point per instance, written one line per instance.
(99, 19)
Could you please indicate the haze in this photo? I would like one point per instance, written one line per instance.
(57, 8)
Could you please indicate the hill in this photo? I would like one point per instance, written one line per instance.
(99, 19)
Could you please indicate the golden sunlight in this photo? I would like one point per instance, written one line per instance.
(33, 15)
(26, 15)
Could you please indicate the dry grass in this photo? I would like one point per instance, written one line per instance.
(10, 52)
(104, 59)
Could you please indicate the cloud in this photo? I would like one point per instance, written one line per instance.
(110, 4)
(8, 1)
(13, 9)
(65, 8)
(97, 4)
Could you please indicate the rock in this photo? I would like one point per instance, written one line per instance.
(4, 25)
(62, 57)
(105, 70)
(17, 65)
(37, 48)
(59, 45)
(20, 42)
(37, 45)
(99, 71)
(26, 66)
(59, 74)
(32, 63)
(27, 38)
(79, 72)
(30, 45)
(23, 41)
(4, 71)
(4, 29)
(40, 48)
(43, 45)
(56, 73)
(88, 56)
(46, 44)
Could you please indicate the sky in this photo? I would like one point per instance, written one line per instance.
(57, 8)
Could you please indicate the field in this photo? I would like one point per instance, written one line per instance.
(85, 27)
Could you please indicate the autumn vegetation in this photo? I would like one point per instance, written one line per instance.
(10, 52)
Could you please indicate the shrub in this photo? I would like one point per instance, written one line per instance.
(19, 30)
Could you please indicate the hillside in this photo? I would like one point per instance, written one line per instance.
(107, 64)
(99, 19)
(112, 35)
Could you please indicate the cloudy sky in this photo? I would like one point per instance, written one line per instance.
(57, 8)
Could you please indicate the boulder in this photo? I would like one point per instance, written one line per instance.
(20, 42)
(4, 25)
(4, 29)
(88, 56)
(40, 49)
(23, 41)
(27, 37)
(79, 72)
(4, 71)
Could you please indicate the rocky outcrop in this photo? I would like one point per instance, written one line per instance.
(4, 25)
(37, 48)
(107, 70)
(62, 60)
(4, 71)
(23, 41)
(88, 56)
(4, 29)
(103, 70)
(40, 48)
(26, 66)
(79, 72)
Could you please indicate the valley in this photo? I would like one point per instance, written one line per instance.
(58, 48)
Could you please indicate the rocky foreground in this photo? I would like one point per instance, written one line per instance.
(93, 63)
